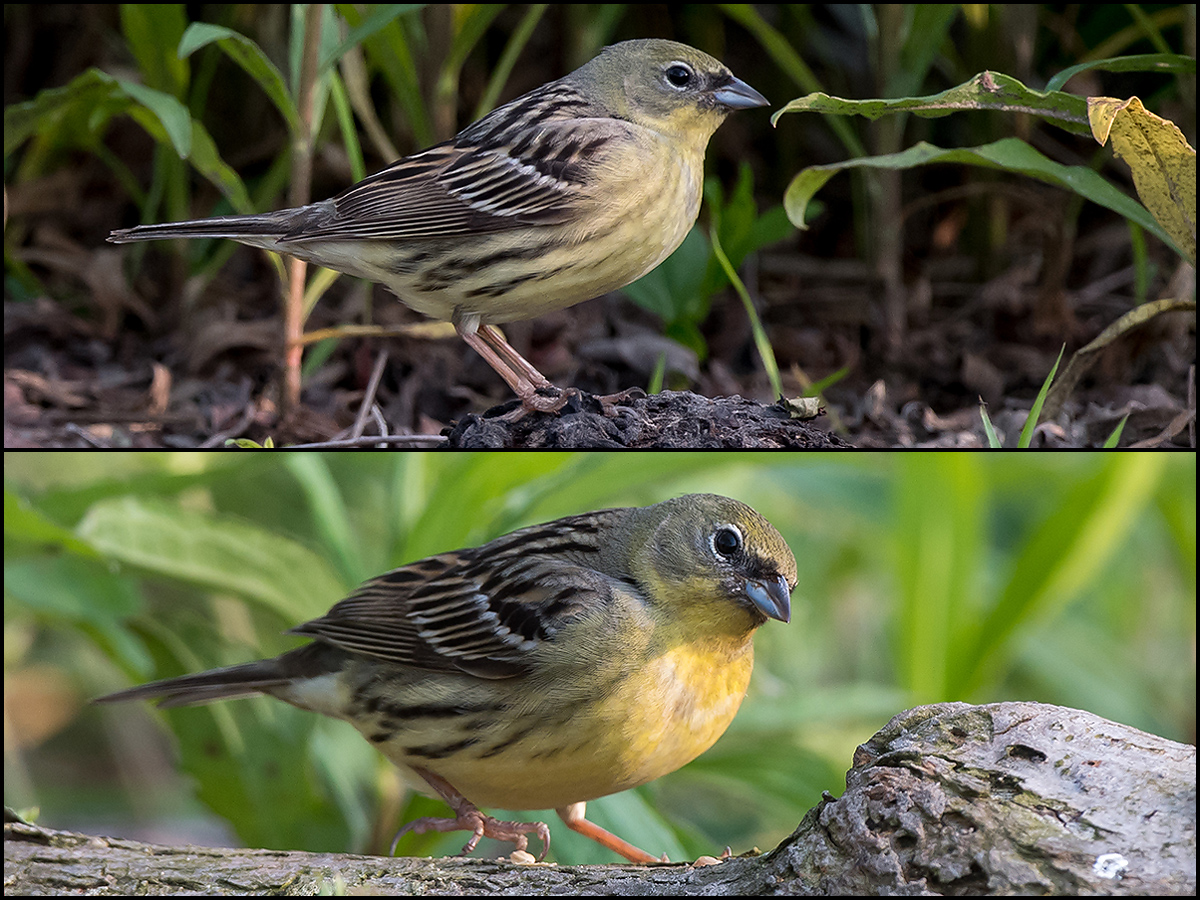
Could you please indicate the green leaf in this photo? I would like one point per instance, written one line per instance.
(673, 290)
(1035, 411)
(247, 54)
(215, 552)
(1115, 438)
(1168, 63)
(987, 90)
(170, 113)
(1060, 558)
(151, 32)
(1009, 154)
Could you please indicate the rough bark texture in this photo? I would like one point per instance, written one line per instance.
(1008, 798)
(946, 799)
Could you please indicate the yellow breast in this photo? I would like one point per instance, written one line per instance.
(654, 721)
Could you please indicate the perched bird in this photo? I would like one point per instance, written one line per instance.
(573, 190)
(554, 665)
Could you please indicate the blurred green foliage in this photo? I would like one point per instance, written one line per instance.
(1068, 579)
(681, 289)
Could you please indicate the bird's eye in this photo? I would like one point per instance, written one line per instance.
(727, 541)
(679, 75)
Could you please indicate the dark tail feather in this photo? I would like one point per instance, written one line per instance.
(283, 224)
(234, 227)
(245, 680)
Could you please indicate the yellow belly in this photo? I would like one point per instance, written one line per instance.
(619, 236)
(666, 715)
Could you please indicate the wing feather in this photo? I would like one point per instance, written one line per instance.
(530, 162)
(483, 610)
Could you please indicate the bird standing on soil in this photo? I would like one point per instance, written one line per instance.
(573, 190)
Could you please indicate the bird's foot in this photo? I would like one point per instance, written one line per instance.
(471, 819)
(610, 402)
(543, 399)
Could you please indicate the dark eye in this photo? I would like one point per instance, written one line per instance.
(679, 75)
(727, 541)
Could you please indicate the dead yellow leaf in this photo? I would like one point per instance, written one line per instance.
(1162, 162)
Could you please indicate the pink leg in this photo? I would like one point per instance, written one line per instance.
(573, 816)
(468, 818)
(517, 372)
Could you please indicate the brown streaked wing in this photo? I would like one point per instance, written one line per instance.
(482, 611)
(499, 173)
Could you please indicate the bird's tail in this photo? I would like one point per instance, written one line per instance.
(245, 680)
(268, 227)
